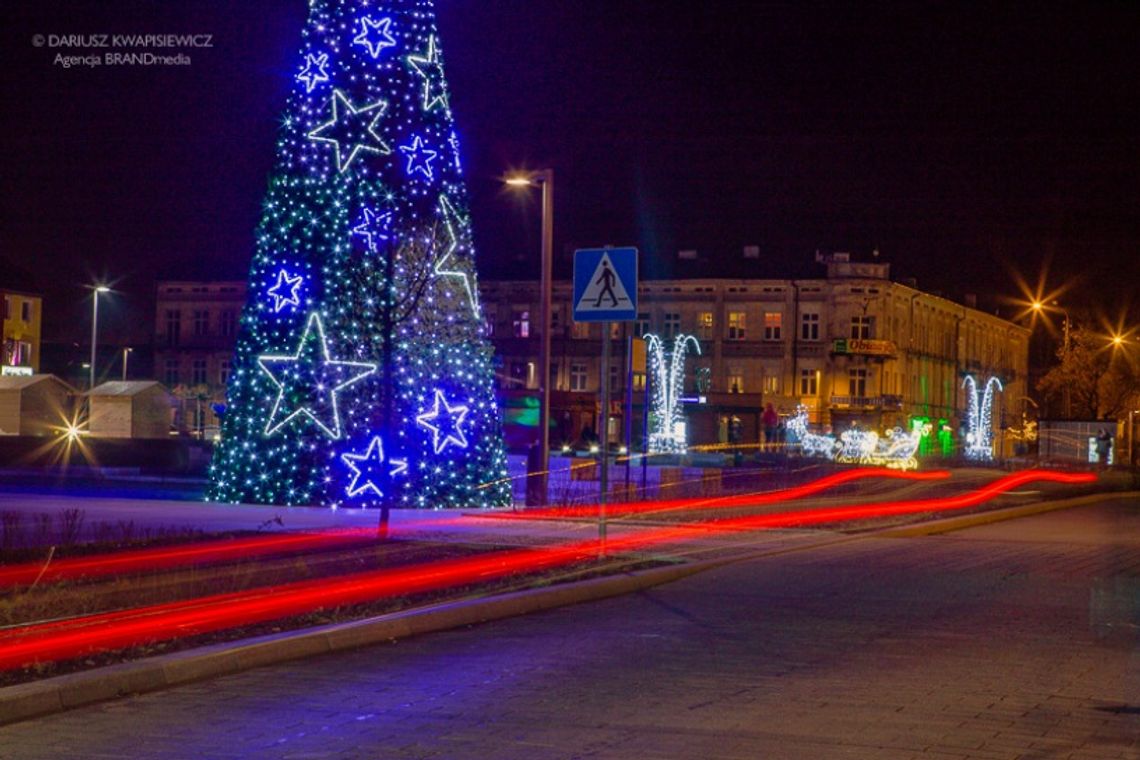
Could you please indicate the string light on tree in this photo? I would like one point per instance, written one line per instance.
(385, 347)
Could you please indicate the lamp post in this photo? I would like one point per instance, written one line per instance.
(1039, 307)
(545, 178)
(96, 290)
(126, 352)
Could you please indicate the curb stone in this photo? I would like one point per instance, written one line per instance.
(936, 527)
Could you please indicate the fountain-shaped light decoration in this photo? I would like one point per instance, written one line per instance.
(979, 418)
(667, 434)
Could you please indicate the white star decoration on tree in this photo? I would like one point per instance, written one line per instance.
(375, 35)
(351, 129)
(309, 380)
(445, 264)
(419, 157)
(445, 422)
(281, 299)
(373, 227)
(430, 68)
(367, 471)
(314, 71)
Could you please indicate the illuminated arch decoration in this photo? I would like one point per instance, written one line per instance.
(668, 433)
(309, 380)
(445, 423)
(313, 73)
(366, 469)
(352, 130)
(979, 418)
(286, 291)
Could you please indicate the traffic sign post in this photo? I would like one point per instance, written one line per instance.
(605, 291)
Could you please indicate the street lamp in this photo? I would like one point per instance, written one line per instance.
(97, 289)
(126, 352)
(545, 178)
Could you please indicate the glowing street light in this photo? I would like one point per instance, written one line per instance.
(545, 178)
(97, 289)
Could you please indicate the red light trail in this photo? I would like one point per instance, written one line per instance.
(76, 637)
(102, 565)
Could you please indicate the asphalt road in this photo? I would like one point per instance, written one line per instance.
(1015, 640)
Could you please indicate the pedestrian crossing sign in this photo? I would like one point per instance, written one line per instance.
(605, 285)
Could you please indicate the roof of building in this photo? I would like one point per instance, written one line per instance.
(19, 382)
(124, 388)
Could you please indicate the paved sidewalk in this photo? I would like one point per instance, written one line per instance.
(1000, 642)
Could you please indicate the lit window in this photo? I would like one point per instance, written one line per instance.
(520, 319)
(809, 382)
(773, 325)
(577, 377)
(737, 325)
(705, 325)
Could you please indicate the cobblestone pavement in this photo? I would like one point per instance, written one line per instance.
(1015, 640)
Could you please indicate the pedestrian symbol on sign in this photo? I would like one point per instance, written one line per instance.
(605, 292)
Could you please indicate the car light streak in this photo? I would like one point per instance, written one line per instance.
(76, 637)
(162, 558)
(756, 498)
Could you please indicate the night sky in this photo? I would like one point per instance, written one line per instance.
(967, 143)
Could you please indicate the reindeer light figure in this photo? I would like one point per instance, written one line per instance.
(811, 444)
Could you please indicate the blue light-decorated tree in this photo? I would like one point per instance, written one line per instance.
(361, 376)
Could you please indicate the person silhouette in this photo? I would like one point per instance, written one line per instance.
(607, 282)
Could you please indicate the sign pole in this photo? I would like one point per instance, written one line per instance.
(604, 478)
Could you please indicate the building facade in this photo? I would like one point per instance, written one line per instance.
(853, 347)
(196, 327)
(23, 320)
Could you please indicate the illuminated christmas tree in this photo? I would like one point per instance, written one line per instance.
(361, 375)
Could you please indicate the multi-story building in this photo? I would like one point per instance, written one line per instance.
(196, 327)
(853, 347)
(23, 318)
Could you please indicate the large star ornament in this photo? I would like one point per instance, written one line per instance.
(445, 423)
(352, 130)
(309, 380)
(367, 469)
(430, 69)
(446, 264)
